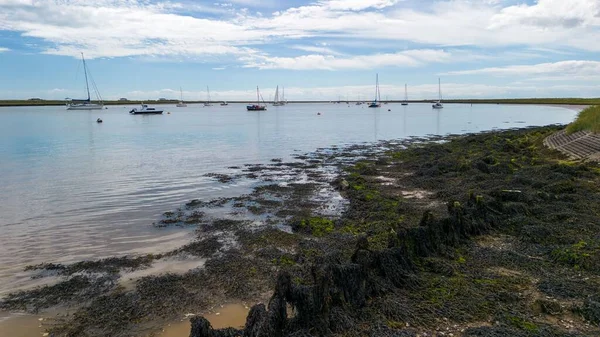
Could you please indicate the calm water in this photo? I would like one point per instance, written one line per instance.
(73, 189)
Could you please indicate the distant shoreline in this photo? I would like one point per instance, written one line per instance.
(545, 101)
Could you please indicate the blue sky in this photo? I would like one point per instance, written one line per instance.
(321, 49)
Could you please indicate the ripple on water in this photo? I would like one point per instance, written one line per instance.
(74, 190)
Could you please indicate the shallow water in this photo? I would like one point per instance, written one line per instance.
(223, 316)
(227, 316)
(73, 189)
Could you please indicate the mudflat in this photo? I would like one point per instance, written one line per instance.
(485, 234)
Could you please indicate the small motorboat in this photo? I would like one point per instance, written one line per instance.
(98, 120)
(146, 110)
(224, 103)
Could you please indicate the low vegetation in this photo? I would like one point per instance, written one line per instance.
(587, 120)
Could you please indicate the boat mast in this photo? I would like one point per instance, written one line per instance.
(257, 96)
(376, 86)
(207, 94)
(405, 92)
(277, 95)
(87, 86)
(440, 88)
(181, 94)
(377, 92)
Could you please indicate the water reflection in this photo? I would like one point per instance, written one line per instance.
(74, 189)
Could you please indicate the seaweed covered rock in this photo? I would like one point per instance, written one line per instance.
(591, 309)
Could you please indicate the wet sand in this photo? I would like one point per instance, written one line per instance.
(20, 326)
(230, 315)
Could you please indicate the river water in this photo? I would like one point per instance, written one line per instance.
(73, 189)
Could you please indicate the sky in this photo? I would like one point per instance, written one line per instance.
(317, 50)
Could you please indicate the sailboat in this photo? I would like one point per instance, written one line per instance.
(283, 100)
(438, 104)
(405, 95)
(86, 104)
(207, 103)
(257, 106)
(181, 104)
(376, 103)
(277, 101)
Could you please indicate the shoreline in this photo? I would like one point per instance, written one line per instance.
(289, 226)
(567, 102)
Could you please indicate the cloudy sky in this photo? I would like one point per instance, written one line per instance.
(318, 49)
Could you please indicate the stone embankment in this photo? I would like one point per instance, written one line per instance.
(578, 145)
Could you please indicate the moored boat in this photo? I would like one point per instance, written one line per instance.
(181, 103)
(277, 101)
(145, 110)
(257, 106)
(86, 104)
(207, 103)
(377, 101)
(438, 104)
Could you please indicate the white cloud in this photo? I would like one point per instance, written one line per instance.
(124, 28)
(564, 70)
(317, 49)
(3, 50)
(550, 14)
(409, 58)
(356, 5)
(120, 28)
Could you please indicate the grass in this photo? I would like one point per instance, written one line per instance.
(588, 120)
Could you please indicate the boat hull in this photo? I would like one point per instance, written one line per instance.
(256, 108)
(85, 107)
(156, 112)
(374, 105)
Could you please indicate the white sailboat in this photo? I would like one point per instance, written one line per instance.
(86, 104)
(377, 101)
(277, 101)
(181, 104)
(438, 104)
(207, 103)
(405, 95)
